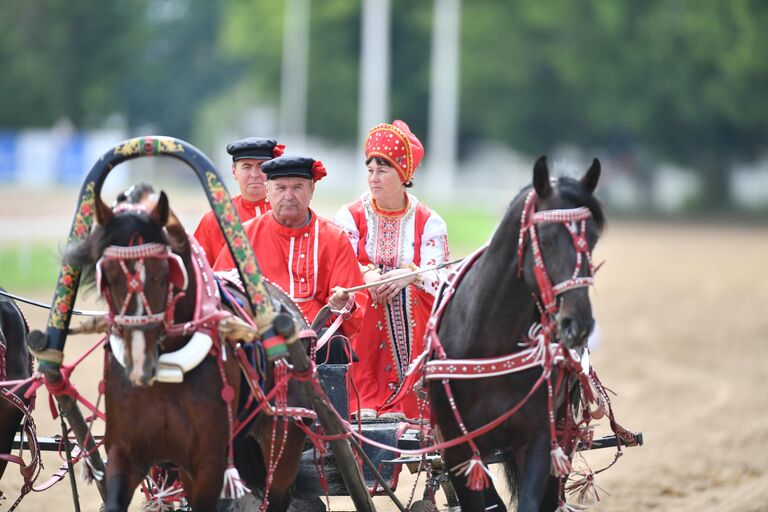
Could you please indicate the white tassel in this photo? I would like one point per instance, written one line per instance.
(561, 464)
(565, 507)
(234, 488)
(88, 473)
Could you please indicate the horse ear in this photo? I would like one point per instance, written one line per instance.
(590, 179)
(177, 234)
(541, 178)
(103, 212)
(160, 212)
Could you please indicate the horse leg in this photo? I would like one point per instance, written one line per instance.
(552, 494)
(281, 487)
(10, 419)
(206, 483)
(121, 481)
(534, 473)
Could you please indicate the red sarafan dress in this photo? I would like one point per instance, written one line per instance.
(208, 233)
(393, 333)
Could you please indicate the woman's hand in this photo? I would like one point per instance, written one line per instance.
(387, 291)
(371, 276)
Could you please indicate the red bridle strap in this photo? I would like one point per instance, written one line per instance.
(575, 221)
(135, 285)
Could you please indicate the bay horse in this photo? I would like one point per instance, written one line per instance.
(153, 277)
(539, 259)
(15, 364)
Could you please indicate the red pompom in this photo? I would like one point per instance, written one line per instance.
(318, 171)
(278, 150)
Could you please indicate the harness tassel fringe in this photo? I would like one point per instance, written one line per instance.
(477, 473)
(561, 464)
(234, 488)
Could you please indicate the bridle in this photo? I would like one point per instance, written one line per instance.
(135, 284)
(575, 221)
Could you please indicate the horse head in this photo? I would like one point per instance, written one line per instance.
(561, 221)
(140, 277)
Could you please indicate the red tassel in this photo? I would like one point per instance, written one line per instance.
(476, 472)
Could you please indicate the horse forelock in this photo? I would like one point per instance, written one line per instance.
(123, 229)
(570, 190)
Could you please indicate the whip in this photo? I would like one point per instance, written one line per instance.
(393, 279)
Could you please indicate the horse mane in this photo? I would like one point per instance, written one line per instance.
(118, 231)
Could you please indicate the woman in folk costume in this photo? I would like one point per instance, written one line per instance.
(392, 234)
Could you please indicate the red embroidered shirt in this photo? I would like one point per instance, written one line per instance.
(208, 233)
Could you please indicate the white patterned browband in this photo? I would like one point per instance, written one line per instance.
(563, 215)
(136, 251)
(136, 321)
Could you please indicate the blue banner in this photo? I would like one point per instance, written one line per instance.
(70, 167)
(8, 159)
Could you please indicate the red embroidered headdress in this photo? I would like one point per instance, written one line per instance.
(398, 145)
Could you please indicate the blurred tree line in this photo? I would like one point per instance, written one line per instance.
(684, 79)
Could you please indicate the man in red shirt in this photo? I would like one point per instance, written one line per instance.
(247, 157)
(307, 256)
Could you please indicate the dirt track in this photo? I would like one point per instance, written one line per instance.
(681, 311)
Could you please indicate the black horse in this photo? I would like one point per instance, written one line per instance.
(492, 310)
(145, 256)
(15, 365)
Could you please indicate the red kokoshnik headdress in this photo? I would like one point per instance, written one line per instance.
(398, 145)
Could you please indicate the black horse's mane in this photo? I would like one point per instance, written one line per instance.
(119, 231)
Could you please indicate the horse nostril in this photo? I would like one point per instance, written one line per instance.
(572, 330)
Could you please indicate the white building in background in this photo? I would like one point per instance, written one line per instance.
(749, 184)
(674, 188)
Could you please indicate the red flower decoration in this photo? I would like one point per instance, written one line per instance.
(66, 280)
(63, 307)
(229, 217)
(219, 195)
(85, 209)
(278, 150)
(318, 171)
(250, 268)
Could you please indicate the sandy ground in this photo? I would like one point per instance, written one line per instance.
(681, 312)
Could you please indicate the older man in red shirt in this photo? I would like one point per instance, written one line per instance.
(306, 255)
(248, 155)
